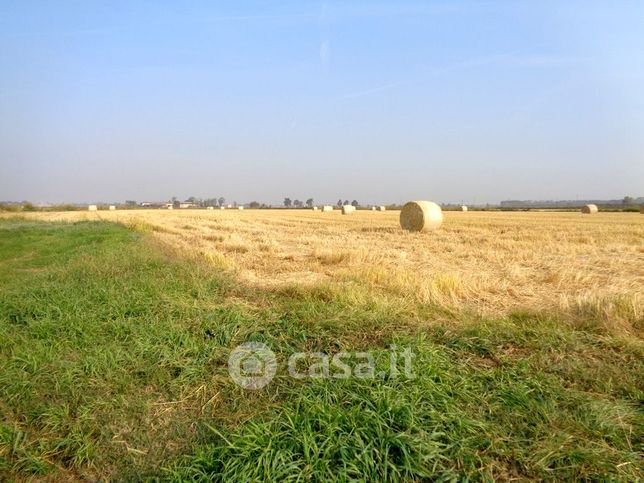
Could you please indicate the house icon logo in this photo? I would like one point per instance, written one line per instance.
(252, 365)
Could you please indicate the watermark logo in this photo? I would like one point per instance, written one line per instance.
(252, 365)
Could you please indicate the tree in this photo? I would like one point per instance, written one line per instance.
(298, 203)
(346, 202)
(131, 202)
(221, 200)
(195, 201)
(254, 204)
(340, 202)
(287, 202)
(354, 203)
(628, 200)
(309, 202)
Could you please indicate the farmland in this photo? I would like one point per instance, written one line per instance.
(488, 262)
(116, 327)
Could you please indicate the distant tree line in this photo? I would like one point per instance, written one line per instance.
(346, 202)
(626, 202)
(288, 203)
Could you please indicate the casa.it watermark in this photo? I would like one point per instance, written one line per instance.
(253, 365)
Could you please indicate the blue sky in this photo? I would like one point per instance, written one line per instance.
(378, 101)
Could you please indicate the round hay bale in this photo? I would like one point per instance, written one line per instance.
(463, 208)
(421, 216)
(112, 208)
(373, 208)
(210, 207)
(589, 209)
(92, 207)
(348, 209)
(315, 208)
(381, 208)
(240, 207)
(327, 208)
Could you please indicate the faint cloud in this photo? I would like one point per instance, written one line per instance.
(520, 60)
(324, 51)
(373, 9)
(526, 112)
(284, 16)
(325, 54)
(422, 75)
(541, 60)
(323, 14)
(65, 33)
(375, 89)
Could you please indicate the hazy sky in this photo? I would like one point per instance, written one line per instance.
(378, 101)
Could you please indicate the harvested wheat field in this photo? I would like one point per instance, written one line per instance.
(491, 263)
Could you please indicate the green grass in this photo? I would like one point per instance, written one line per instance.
(113, 364)
(97, 330)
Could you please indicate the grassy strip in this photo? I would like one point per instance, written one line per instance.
(113, 362)
(102, 355)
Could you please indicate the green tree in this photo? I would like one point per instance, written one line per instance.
(287, 202)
